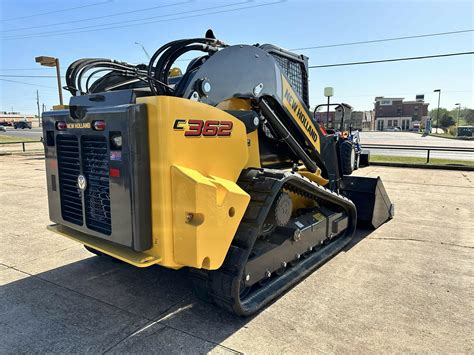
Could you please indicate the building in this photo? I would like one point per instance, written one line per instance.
(333, 120)
(358, 120)
(363, 120)
(10, 117)
(394, 112)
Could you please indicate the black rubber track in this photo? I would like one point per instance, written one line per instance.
(223, 286)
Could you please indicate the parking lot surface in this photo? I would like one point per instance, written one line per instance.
(411, 138)
(33, 133)
(406, 287)
(416, 140)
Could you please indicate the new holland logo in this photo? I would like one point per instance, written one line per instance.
(299, 113)
(292, 102)
(82, 182)
(79, 125)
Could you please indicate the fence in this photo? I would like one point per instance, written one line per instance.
(23, 144)
(417, 148)
(365, 146)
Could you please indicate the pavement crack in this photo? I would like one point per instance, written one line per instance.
(7, 266)
(425, 241)
(163, 316)
(149, 324)
(42, 256)
(466, 177)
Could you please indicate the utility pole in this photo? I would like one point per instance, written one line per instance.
(437, 112)
(38, 105)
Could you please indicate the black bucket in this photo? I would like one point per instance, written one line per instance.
(374, 207)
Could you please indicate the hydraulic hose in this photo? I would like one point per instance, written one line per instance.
(167, 54)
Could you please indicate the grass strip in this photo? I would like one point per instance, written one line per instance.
(418, 160)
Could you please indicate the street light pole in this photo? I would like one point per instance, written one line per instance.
(52, 62)
(459, 109)
(58, 74)
(328, 92)
(143, 47)
(437, 112)
(327, 115)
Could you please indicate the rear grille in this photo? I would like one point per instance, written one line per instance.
(69, 168)
(296, 75)
(95, 167)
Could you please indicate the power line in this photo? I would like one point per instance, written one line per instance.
(390, 60)
(61, 33)
(22, 82)
(98, 17)
(370, 41)
(56, 11)
(402, 93)
(134, 22)
(104, 25)
(311, 66)
(27, 76)
(21, 69)
(383, 40)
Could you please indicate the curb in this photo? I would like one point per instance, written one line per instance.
(20, 153)
(462, 138)
(425, 166)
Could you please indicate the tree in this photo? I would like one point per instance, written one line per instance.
(446, 121)
(468, 116)
(433, 114)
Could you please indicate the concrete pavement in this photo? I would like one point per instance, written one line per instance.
(406, 287)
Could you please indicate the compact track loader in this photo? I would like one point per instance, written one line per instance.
(221, 169)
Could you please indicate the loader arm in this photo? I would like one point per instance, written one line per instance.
(262, 80)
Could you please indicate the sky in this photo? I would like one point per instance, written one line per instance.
(70, 30)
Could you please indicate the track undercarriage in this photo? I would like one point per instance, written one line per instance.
(262, 264)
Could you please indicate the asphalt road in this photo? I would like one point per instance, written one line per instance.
(414, 139)
(34, 133)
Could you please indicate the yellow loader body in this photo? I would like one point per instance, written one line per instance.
(196, 206)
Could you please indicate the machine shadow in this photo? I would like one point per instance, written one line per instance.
(360, 234)
(97, 304)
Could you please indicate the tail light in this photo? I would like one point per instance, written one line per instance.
(61, 126)
(98, 125)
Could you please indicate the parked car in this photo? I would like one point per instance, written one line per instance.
(22, 125)
(392, 129)
(3, 129)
